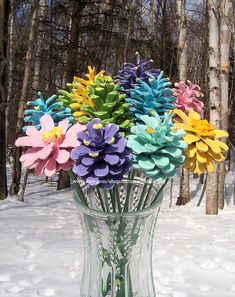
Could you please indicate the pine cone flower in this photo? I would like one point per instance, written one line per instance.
(157, 147)
(50, 147)
(103, 157)
(55, 109)
(78, 93)
(204, 149)
(151, 97)
(188, 96)
(127, 77)
(108, 104)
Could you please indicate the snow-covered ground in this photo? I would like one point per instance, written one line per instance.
(41, 247)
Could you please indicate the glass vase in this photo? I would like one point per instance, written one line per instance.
(118, 246)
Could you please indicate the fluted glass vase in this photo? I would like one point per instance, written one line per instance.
(118, 246)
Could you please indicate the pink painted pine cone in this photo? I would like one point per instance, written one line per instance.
(188, 97)
(50, 147)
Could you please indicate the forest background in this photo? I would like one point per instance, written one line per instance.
(44, 43)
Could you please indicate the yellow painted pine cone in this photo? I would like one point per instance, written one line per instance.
(204, 149)
(79, 90)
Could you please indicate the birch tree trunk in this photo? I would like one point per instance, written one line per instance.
(182, 40)
(16, 170)
(214, 94)
(4, 9)
(226, 9)
(184, 195)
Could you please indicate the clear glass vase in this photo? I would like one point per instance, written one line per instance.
(118, 246)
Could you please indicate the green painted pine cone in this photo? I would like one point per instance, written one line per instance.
(108, 105)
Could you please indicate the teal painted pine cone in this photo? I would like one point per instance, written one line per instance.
(151, 97)
(157, 146)
(42, 106)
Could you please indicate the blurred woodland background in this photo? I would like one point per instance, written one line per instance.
(44, 43)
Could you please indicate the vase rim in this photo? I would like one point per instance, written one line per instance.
(98, 213)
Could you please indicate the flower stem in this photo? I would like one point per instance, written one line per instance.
(101, 199)
(112, 200)
(117, 197)
(77, 187)
(106, 200)
(131, 175)
(159, 192)
(142, 196)
(147, 196)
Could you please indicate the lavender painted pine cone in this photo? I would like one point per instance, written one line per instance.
(103, 156)
(127, 77)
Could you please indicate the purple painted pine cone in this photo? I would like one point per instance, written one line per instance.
(127, 77)
(103, 156)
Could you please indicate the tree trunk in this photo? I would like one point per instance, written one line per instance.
(226, 9)
(16, 170)
(66, 57)
(10, 67)
(203, 192)
(63, 180)
(76, 9)
(214, 69)
(4, 11)
(182, 40)
(171, 192)
(40, 36)
(36, 78)
(163, 33)
(152, 18)
(25, 180)
(184, 195)
(129, 29)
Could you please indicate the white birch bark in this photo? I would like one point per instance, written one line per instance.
(214, 91)
(182, 40)
(226, 10)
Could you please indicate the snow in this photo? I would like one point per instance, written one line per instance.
(41, 246)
